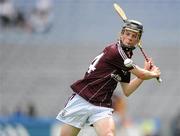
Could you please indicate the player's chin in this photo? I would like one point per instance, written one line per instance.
(132, 44)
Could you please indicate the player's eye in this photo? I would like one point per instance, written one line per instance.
(134, 36)
(127, 34)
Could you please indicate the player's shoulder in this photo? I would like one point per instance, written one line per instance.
(111, 47)
(111, 50)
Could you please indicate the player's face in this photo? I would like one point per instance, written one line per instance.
(129, 38)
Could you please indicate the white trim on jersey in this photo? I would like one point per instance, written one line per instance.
(121, 52)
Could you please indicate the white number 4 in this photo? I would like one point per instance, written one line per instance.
(92, 67)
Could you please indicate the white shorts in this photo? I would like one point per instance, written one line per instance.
(79, 112)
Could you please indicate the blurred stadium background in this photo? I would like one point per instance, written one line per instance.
(38, 62)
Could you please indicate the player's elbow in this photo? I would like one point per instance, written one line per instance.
(127, 93)
(127, 90)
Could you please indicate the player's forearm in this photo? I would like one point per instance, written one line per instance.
(142, 73)
(128, 89)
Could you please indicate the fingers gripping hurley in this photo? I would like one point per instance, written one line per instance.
(120, 12)
(146, 58)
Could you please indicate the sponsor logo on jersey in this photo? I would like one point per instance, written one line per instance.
(116, 77)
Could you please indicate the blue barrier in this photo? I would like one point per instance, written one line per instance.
(23, 125)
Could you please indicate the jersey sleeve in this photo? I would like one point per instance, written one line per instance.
(125, 77)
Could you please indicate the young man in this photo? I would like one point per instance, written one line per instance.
(91, 99)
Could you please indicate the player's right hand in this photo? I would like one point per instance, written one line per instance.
(156, 71)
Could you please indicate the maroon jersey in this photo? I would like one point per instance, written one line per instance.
(98, 84)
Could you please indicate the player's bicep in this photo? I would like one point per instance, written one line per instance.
(124, 86)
